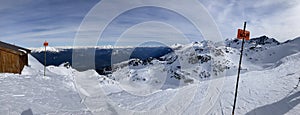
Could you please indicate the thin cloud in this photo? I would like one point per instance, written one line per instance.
(274, 18)
(25, 21)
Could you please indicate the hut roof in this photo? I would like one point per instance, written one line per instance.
(13, 47)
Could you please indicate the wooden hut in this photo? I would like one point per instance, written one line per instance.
(12, 58)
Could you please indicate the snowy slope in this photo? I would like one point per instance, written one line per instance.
(265, 92)
(52, 94)
(260, 92)
(187, 81)
(264, 51)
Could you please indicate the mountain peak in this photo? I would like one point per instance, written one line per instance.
(262, 40)
(253, 42)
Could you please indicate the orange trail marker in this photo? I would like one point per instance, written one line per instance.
(243, 34)
(46, 43)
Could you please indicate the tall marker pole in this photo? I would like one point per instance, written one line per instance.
(239, 69)
(45, 44)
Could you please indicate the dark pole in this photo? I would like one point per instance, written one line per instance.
(239, 70)
(45, 62)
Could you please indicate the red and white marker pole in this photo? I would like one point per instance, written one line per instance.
(45, 44)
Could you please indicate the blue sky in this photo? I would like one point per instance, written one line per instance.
(29, 23)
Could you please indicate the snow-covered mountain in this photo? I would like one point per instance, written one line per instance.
(196, 78)
(206, 60)
(48, 49)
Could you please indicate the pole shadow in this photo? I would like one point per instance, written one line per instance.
(278, 108)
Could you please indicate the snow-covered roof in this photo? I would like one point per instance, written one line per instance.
(14, 47)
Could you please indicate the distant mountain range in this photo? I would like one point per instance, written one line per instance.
(261, 52)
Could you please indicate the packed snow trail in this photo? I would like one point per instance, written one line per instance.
(51, 94)
(261, 92)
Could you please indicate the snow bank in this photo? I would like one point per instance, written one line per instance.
(54, 93)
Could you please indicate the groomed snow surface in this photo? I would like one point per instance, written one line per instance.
(32, 91)
(262, 91)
